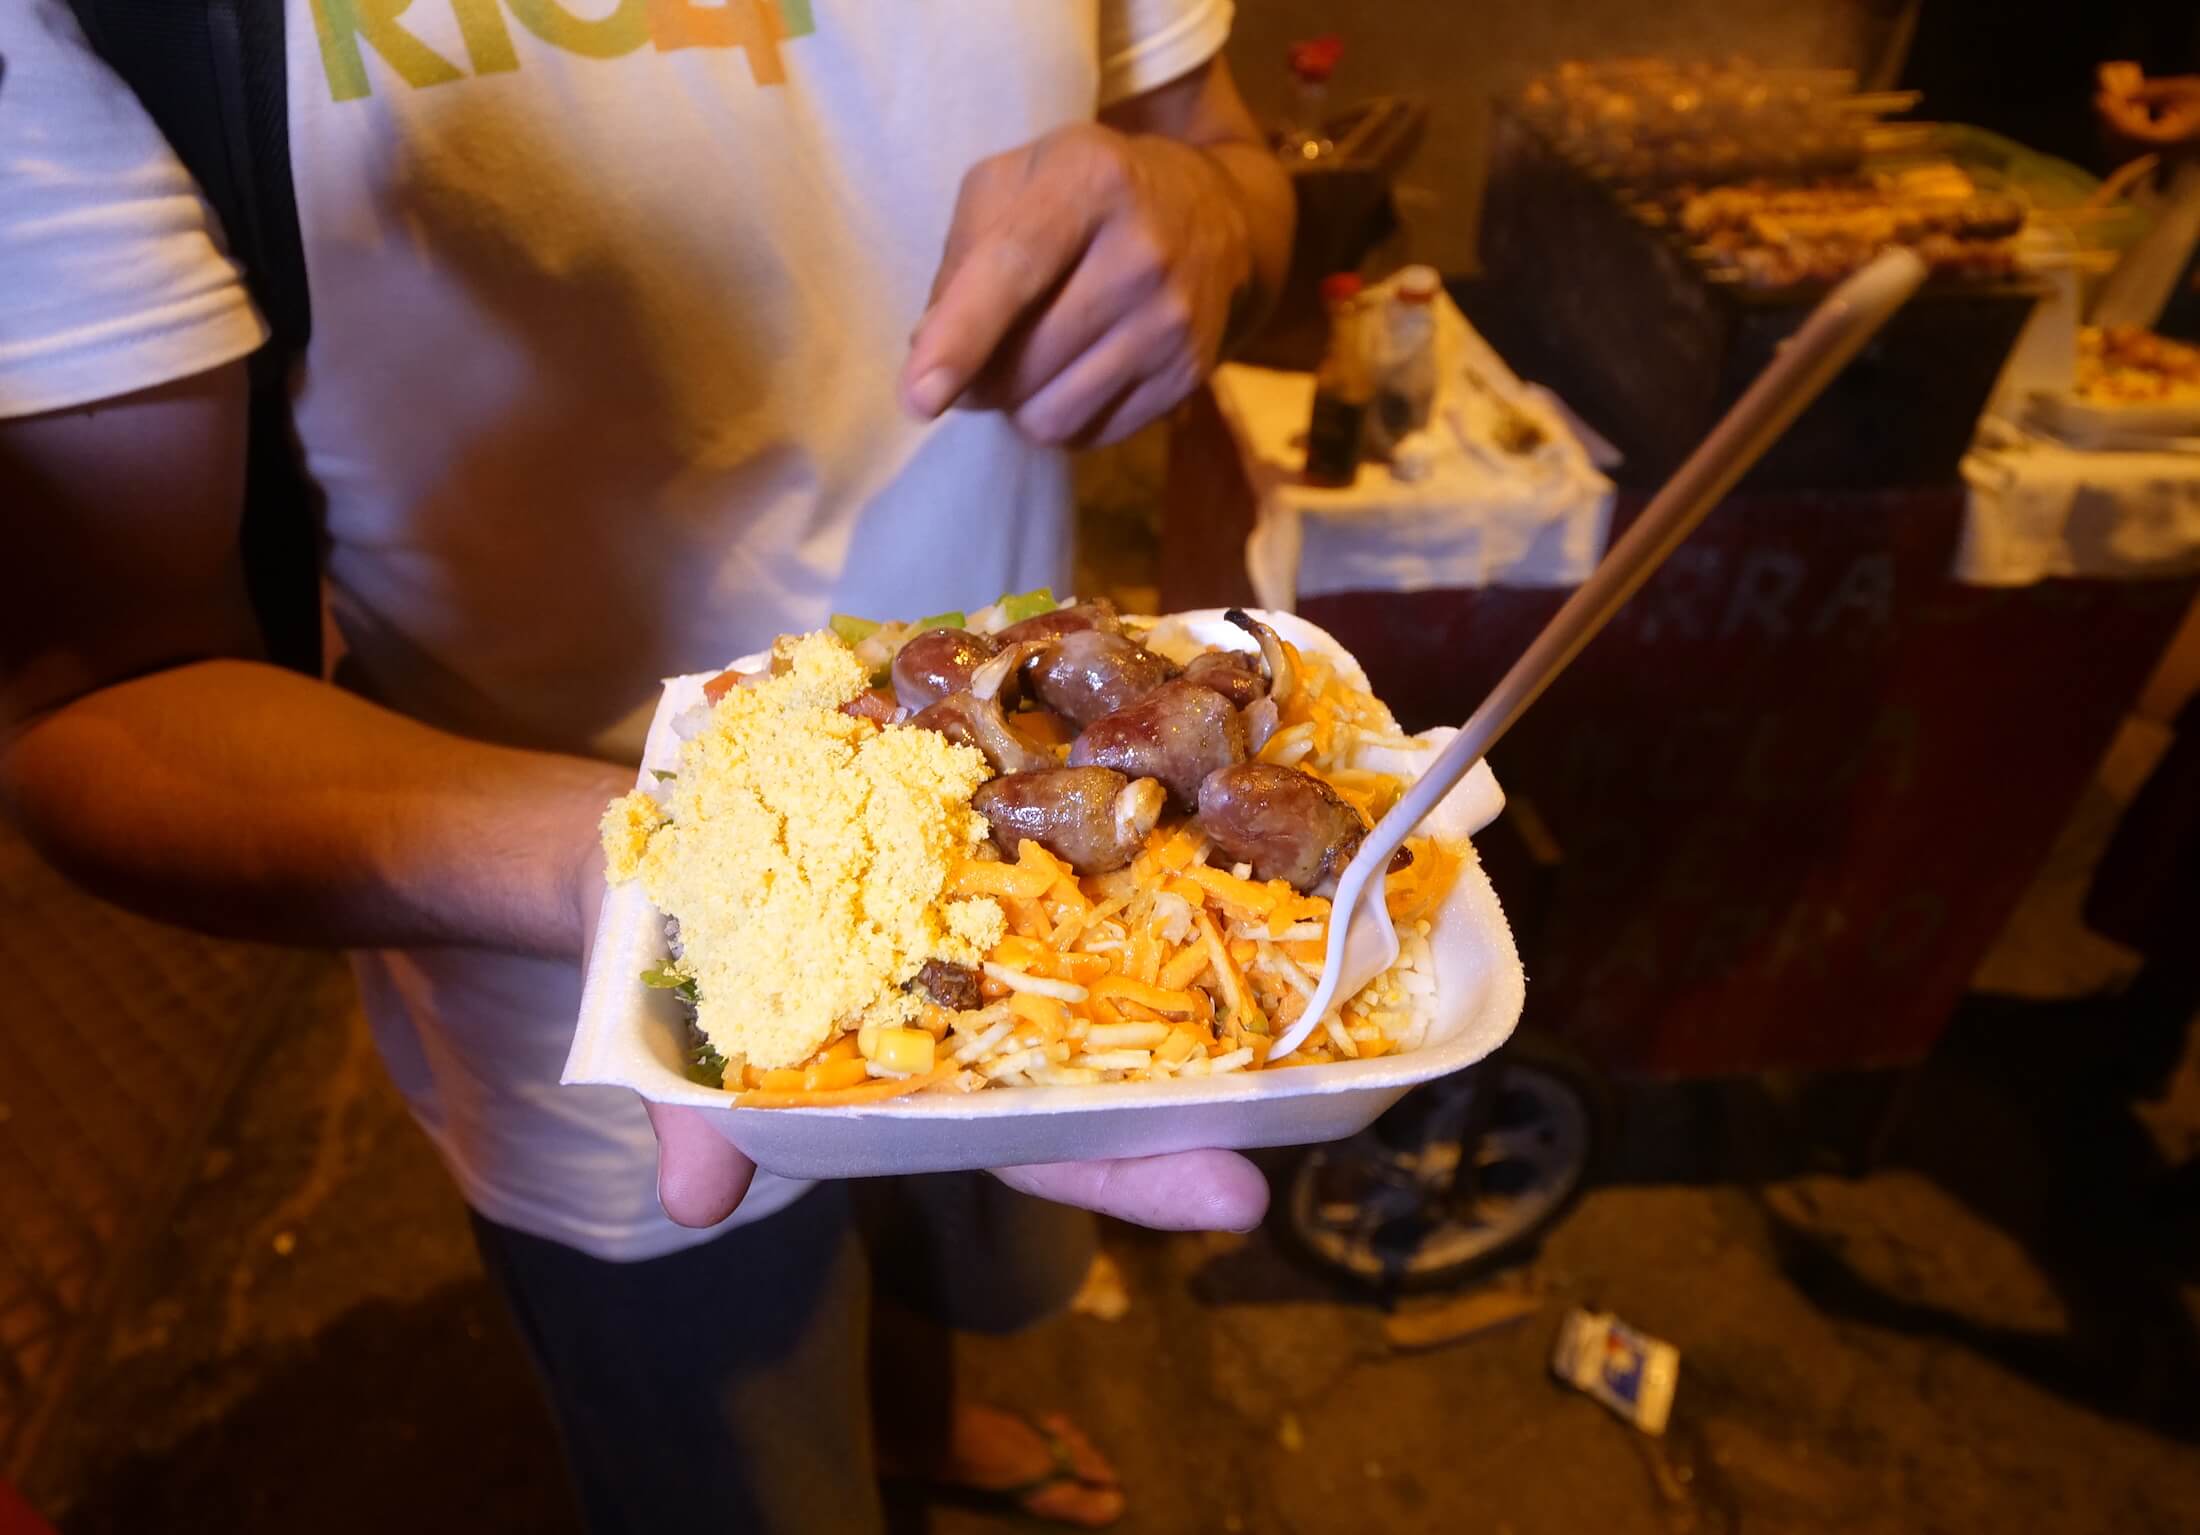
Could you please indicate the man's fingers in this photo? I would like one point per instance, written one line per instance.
(1131, 410)
(1006, 272)
(700, 1177)
(1014, 239)
(1188, 1191)
(1049, 341)
(1074, 398)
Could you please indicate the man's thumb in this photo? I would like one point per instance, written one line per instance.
(700, 1177)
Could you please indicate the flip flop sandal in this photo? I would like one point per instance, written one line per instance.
(1015, 1499)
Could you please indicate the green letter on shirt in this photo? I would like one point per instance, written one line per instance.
(340, 24)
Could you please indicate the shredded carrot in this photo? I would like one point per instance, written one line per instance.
(1020, 953)
(1184, 968)
(1025, 918)
(843, 1097)
(1242, 950)
(828, 1075)
(1030, 855)
(1051, 1016)
(1072, 927)
(1122, 988)
(1325, 726)
(1178, 851)
(782, 1079)
(1084, 969)
(841, 1049)
(720, 685)
(977, 876)
(1254, 899)
(1145, 957)
(1420, 888)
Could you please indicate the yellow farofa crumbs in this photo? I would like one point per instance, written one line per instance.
(804, 858)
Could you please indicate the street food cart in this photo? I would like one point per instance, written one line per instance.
(1775, 817)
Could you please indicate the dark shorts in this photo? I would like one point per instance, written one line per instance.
(727, 1388)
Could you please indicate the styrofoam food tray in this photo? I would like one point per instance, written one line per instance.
(629, 1035)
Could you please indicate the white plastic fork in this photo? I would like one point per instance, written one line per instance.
(1362, 942)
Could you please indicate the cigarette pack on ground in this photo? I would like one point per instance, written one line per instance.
(1628, 1371)
(630, 1035)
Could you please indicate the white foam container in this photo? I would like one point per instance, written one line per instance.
(629, 1035)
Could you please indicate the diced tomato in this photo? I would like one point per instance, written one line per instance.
(877, 706)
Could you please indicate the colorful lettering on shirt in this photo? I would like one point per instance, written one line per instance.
(342, 26)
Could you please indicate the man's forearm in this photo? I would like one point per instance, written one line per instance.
(243, 800)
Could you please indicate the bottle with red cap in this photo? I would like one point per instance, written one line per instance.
(1341, 389)
(1312, 63)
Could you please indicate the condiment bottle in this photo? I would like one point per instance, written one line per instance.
(1304, 137)
(1405, 362)
(1339, 418)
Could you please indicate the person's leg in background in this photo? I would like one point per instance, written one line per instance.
(719, 1389)
(961, 1252)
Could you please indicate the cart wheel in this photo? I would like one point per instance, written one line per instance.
(1398, 1207)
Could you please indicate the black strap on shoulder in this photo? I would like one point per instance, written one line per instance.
(211, 75)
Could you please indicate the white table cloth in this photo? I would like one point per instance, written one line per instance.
(1481, 516)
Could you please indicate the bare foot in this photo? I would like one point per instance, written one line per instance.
(1047, 1466)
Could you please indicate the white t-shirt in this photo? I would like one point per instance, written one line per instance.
(609, 300)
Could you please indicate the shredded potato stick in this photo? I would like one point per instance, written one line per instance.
(1045, 986)
(1226, 970)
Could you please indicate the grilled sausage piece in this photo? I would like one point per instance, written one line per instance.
(1287, 824)
(1178, 733)
(931, 665)
(1092, 818)
(1098, 614)
(1232, 673)
(1091, 673)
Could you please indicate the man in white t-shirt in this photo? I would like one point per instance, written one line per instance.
(612, 375)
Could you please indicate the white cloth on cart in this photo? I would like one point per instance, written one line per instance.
(1480, 517)
(2039, 509)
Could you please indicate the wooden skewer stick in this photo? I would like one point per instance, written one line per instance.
(1880, 103)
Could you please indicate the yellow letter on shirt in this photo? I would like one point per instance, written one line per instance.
(340, 24)
(623, 31)
(488, 39)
